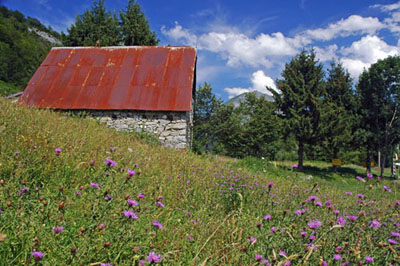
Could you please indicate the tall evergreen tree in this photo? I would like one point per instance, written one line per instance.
(95, 27)
(339, 109)
(135, 27)
(205, 107)
(379, 90)
(302, 88)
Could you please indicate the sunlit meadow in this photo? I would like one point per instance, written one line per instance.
(73, 192)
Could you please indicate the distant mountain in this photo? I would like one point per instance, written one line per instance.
(241, 97)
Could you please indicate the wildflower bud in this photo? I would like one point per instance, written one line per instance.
(45, 203)
(362, 213)
(370, 186)
(81, 188)
(332, 223)
(127, 197)
(91, 162)
(273, 259)
(315, 184)
(2, 182)
(35, 241)
(285, 212)
(381, 244)
(107, 244)
(41, 210)
(41, 198)
(100, 227)
(151, 246)
(61, 205)
(23, 182)
(9, 204)
(73, 250)
(61, 188)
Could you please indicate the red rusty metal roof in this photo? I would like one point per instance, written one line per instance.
(114, 78)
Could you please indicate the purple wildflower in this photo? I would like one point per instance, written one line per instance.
(160, 198)
(273, 229)
(140, 196)
(131, 173)
(258, 257)
(252, 239)
(78, 193)
(108, 197)
(359, 178)
(361, 196)
(369, 259)
(267, 217)
(58, 151)
(16, 153)
(22, 191)
(153, 257)
(337, 257)
(303, 234)
(157, 224)
(396, 234)
(349, 193)
(387, 189)
(312, 198)
(324, 263)
(266, 262)
(312, 237)
(58, 229)
(160, 204)
(351, 218)
(282, 253)
(341, 221)
(318, 203)
(270, 184)
(288, 263)
(110, 163)
(314, 224)
(298, 212)
(375, 224)
(328, 203)
(37, 254)
(370, 176)
(391, 241)
(294, 166)
(95, 185)
(112, 149)
(132, 202)
(130, 214)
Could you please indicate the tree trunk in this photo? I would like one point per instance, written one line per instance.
(335, 154)
(368, 162)
(300, 155)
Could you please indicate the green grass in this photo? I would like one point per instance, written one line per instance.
(8, 88)
(214, 206)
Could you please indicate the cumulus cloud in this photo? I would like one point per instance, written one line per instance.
(392, 22)
(352, 25)
(178, 33)
(259, 83)
(368, 50)
(326, 53)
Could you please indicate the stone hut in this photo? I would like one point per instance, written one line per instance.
(133, 88)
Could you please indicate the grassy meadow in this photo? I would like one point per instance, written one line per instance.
(74, 192)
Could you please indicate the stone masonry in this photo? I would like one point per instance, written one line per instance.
(172, 129)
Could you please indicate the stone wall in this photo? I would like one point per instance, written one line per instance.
(173, 129)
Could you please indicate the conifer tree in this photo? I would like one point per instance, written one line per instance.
(95, 27)
(135, 27)
(300, 100)
(339, 110)
(379, 90)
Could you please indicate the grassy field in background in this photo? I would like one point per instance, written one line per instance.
(78, 193)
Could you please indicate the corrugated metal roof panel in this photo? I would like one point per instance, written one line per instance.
(114, 78)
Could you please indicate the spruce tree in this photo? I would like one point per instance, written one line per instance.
(135, 27)
(379, 90)
(339, 110)
(300, 100)
(95, 27)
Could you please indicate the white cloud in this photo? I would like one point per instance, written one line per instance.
(180, 34)
(352, 25)
(326, 53)
(259, 83)
(368, 50)
(390, 7)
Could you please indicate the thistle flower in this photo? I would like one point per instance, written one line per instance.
(132, 202)
(140, 196)
(267, 217)
(396, 234)
(375, 224)
(110, 162)
(58, 229)
(294, 166)
(258, 257)
(22, 191)
(341, 221)
(157, 224)
(359, 178)
(131, 173)
(387, 189)
(108, 197)
(391, 241)
(351, 218)
(153, 257)
(160, 204)
(252, 239)
(95, 185)
(337, 257)
(130, 214)
(314, 224)
(37, 254)
(369, 259)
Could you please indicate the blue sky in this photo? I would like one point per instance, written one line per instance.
(244, 45)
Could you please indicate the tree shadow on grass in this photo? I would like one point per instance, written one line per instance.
(327, 173)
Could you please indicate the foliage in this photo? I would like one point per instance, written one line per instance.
(57, 171)
(379, 91)
(135, 27)
(339, 110)
(21, 50)
(99, 27)
(300, 100)
(95, 27)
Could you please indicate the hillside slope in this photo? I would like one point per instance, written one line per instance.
(24, 43)
(78, 193)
